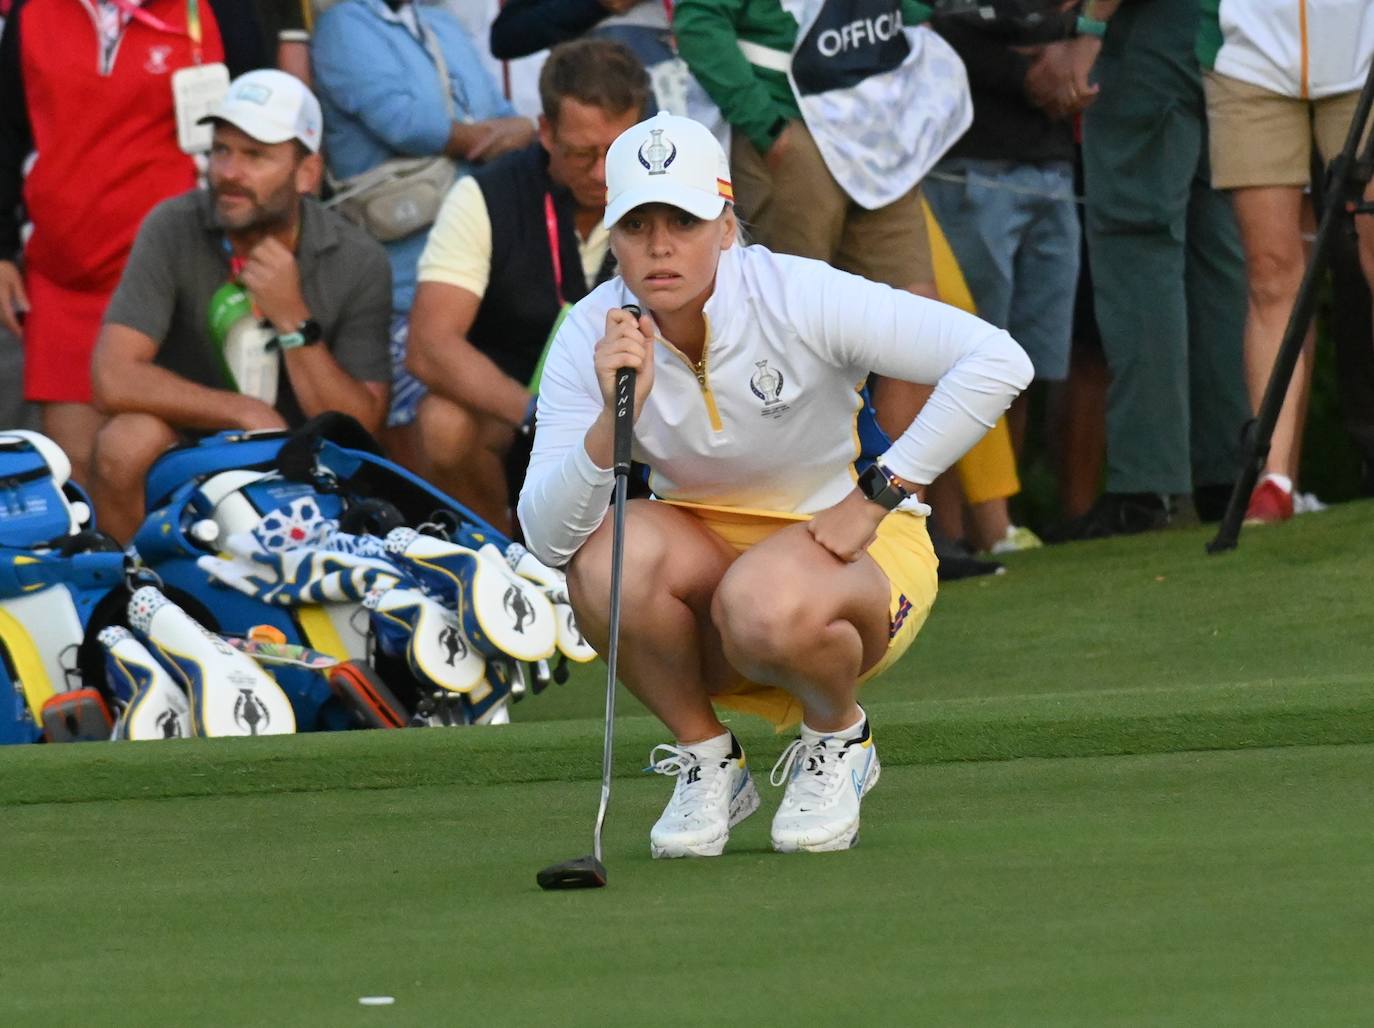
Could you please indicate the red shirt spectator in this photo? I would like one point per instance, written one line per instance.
(87, 88)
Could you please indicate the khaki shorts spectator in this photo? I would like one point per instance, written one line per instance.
(1262, 138)
(802, 210)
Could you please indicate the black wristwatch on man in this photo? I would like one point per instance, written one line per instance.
(307, 333)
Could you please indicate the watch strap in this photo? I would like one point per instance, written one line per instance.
(288, 340)
(1085, 26)
(304, 334)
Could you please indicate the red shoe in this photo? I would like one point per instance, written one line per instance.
(1269, 503)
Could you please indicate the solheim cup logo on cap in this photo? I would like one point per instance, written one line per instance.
(766, 383)
(656, 154)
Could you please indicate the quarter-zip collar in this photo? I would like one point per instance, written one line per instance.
(717, 313)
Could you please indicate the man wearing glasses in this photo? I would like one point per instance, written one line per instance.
(515, 244)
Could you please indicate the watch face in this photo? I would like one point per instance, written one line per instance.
(876, 486)
(310, 331)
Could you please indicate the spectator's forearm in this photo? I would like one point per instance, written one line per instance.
(1100, 10)
(708, 42)
(321, 385)
(293, 57)
(139, 387)
(463, 137)
(459, 372)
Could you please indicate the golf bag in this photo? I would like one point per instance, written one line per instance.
(318, 536)
(55, 570)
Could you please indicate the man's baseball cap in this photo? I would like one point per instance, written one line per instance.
(272, 107)
(667, 159)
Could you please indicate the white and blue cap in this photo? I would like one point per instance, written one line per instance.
(667, 159)
(272, 107)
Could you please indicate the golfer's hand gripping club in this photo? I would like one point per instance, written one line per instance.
(624, 410)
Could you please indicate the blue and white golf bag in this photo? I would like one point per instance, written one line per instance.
(435, 618)
(55, 570)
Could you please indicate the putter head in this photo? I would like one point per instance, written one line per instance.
(583, 873)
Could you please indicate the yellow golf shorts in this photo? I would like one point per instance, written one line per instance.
(903, 552)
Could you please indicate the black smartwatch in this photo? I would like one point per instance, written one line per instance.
(307, 333)
(877, 484)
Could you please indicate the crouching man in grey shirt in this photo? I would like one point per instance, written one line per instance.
(245, 306)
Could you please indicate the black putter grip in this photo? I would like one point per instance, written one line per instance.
(624, 410)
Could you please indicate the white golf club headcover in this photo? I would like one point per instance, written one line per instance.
(154, 707)
(230, 694)
(500, 612)
(554, 584)
(435, 648)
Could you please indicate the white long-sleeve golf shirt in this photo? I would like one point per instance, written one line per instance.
(770, 419)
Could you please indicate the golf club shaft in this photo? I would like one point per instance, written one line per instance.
(617, 556)
(624, 429)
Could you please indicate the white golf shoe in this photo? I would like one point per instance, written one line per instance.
(826, 780)
(713, 794)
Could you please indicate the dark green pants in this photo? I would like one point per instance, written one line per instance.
(1167, 266)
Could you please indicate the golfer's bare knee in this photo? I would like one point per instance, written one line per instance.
(646, 549)
(765, 620)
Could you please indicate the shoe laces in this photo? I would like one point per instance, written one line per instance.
(812, 769)
(679, 763)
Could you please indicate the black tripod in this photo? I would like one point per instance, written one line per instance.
(1344, 198)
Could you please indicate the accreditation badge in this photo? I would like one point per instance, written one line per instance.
(196, 92)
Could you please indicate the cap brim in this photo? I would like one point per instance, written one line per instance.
(248, 126)
(693, 201)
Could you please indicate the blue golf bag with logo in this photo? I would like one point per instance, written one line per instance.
(409, 652)
(55, 570)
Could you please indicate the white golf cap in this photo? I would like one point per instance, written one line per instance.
(272, 107)
(667, 159)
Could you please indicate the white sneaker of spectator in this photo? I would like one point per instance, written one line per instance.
(1307, 503)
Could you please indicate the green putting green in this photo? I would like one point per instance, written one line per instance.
(1204, 859)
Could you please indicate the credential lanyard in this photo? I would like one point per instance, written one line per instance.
(193, 27)
(551, 223)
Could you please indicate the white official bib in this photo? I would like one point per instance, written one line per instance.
(883, 101)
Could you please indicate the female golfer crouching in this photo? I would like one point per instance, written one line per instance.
(772, 573)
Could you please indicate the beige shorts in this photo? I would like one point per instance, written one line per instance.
(802, 210)
(1262, 138)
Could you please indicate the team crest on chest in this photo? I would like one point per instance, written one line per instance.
(656, 153)
(156, 63)
(766, 383)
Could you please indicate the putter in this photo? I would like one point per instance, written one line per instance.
(589, 872)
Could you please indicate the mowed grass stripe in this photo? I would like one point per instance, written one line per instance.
(1189, 889)
(1135, 645)
(909, 733)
